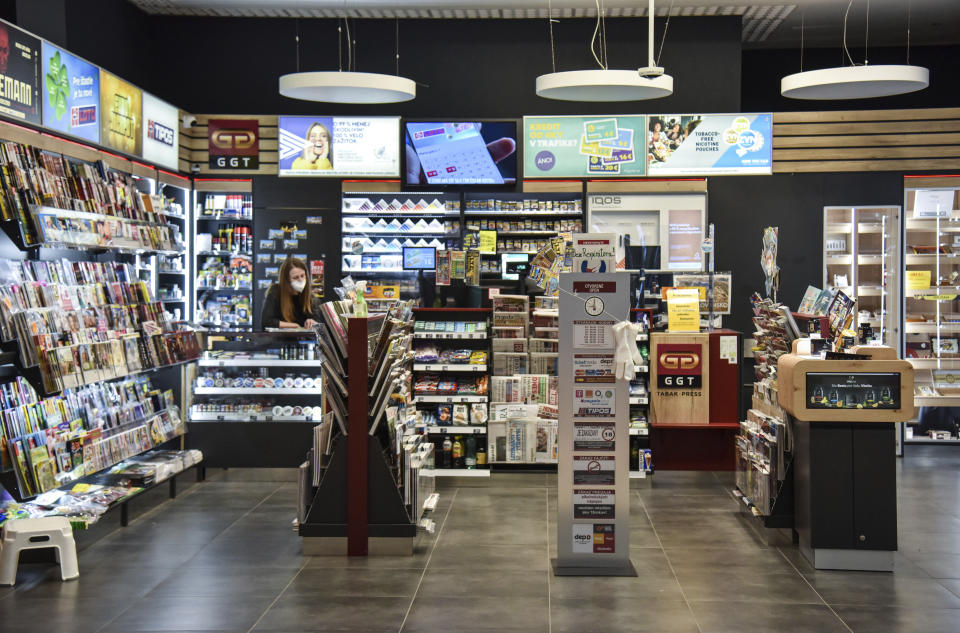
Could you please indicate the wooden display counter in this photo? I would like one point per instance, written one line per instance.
(845, 454)
(694, 399)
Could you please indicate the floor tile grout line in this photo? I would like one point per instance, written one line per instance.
(171, 571)
(426, 564)
(814, 589)
(280, 595)
(546, 493)
(673, 571)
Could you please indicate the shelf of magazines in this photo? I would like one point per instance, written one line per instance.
(54, 441)
(65, 228)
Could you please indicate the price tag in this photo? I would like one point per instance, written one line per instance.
(444, 367)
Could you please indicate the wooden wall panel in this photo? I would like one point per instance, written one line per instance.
(868, 140)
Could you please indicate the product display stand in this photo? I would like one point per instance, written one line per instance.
(845, 454)
(357, 509)
(593, 477)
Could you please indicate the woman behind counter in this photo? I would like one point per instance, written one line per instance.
(288, 302)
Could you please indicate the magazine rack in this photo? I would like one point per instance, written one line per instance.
(845, 454)
(357, 509)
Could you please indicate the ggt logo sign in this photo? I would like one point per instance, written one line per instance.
(679, 366)
(234, 143)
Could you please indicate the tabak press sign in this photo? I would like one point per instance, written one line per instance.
(679, 366)
(234, 143)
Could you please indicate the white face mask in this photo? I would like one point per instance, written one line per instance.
(298, 285)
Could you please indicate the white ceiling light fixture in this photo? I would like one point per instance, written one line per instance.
(348, 86)
(604, 84)
(855, 81)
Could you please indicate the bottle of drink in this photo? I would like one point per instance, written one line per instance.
(481, 453)
(634, 454)
(471, 454)
(447, 460)
(458, 459)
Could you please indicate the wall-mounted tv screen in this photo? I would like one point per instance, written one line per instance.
(338, 146)
(419, 258)
(461, 153)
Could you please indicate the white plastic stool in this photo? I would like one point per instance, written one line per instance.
(40, 533)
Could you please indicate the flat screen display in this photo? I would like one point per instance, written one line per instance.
(419, 258)
(461, 153)
(337, 146)
(511, 258)
(853, 391)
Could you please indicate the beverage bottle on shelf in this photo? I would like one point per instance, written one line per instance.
(446, 460)
(481, 452)
(458, 460)
(470, 458)
(634, 453)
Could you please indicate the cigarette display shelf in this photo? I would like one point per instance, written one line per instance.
(376, 226)
(931, 309)
(249, 426)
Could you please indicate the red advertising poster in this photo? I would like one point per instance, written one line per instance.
(20, 74)
(234, 143)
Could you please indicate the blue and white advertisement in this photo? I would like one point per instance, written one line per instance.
(71, 89)
(709, 144)
(161, 132)
(335, 146)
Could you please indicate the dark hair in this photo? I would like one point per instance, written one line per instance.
(287, 296)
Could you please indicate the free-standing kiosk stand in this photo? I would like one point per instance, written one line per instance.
(845, 454)
(593, 469)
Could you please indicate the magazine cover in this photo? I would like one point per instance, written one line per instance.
(809, 300)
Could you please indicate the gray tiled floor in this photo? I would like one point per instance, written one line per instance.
(223, 557)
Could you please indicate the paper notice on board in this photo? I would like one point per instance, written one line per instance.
(593, 368)
(728, 349)
(594, 503)
(683, 310)
(595, 470)
(595, 334)
(595, 402)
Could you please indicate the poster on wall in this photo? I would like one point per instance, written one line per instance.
(71, 101)
(120, 114)
(339, 146)
(161, 132)
(19, 74)
(583, 147)
(709, 144)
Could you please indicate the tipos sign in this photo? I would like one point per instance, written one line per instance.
(234, 143)
(679, 366)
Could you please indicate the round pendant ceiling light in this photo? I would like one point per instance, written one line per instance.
(347, 87)
(855, 82)
(604, 84)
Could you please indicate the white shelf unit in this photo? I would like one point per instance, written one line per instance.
(456, 472)
(931, 311)
(862, 257)
(254, 391)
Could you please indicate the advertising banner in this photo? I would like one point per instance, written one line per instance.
(583, 147)
(19, 74)
(71, 101)
(161, 132)
(709, 144)
(121, 109)
(233, 143)
(339, 146)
